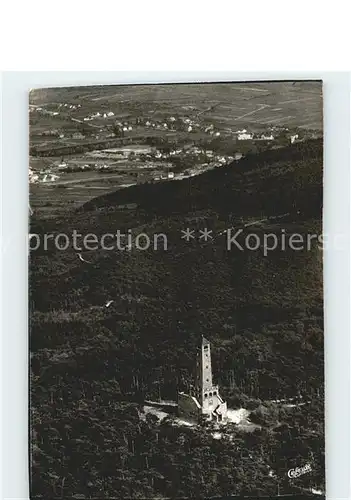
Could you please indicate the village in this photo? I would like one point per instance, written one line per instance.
(165, 160)
(120, 127)
(146, 163)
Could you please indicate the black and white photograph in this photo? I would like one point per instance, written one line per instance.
(176, 326)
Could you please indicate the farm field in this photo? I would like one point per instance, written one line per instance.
(49, 200)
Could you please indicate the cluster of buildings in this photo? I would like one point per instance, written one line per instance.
(43, 176)
(272, 134)
(70, 106)
(46, 175)
(164, 177)
(43, 111)
(171, 123)
(148, 153)
(123, 126)
(125, 152)
(243, 135)
(181, 124)
(196, 153)
(78, 167)
(40, 109)
(186, 161)
(160, 163)
(32, 176)
(108, 114)
(61, 135)
(212, 161)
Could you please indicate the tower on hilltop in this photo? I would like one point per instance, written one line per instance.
(206, 400)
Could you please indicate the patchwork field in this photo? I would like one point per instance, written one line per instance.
(241, 105)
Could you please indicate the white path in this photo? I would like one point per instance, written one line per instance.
(252, 112)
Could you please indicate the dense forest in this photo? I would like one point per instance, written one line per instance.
(93, 366)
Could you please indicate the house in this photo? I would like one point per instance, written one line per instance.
(32, 176)
(110, 113)
(264, 137)
(209, 128)
(190, 128)
(78, 135)
(244, 135)
(293, 138)
(197, 150)
(49, 178)
(204, 399)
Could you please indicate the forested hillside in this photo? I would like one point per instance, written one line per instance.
(92, 366)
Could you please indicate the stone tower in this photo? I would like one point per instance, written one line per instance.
(206, 400)
(203, 374)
